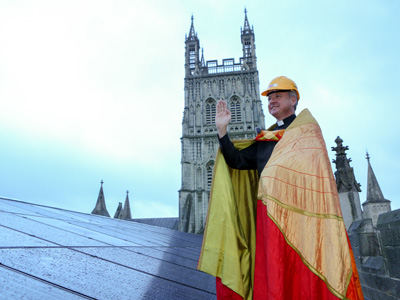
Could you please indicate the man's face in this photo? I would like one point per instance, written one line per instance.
(280, 105)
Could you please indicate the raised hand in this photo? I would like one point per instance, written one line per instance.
(222, 118)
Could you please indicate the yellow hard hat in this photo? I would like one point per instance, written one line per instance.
(281, 83)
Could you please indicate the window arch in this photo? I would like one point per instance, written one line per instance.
(210, 111)
(236, 110)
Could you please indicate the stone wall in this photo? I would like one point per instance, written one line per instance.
(389, 228)
(377, 255)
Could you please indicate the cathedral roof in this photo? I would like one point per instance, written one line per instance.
(374, 192)
(51, 253)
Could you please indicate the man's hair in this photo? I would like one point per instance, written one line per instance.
(294, 94)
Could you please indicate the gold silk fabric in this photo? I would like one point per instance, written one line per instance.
(299, 190)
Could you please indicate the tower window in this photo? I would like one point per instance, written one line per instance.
(210, 111)
(247, 48)
(209, 169)
(192, 57)
(236, 113)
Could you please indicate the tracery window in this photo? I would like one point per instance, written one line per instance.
(236, 111)
(210, 111)
(211, 146)
(192, 57)
(198, 144)
(247, 48)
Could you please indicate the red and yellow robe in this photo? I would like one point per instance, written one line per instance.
(289, 244)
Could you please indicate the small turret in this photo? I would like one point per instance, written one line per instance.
(348, 187)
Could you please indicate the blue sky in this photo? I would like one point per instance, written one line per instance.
(93, 90)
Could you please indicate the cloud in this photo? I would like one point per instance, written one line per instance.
(94, 90)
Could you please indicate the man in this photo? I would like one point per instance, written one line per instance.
(282, 96)
(291, 243)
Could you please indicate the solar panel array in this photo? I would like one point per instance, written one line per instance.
(50, 253)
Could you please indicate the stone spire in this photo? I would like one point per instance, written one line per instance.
(127, 209)
(375, 204)
(374, 192)
(246, 28)
(192, 34)
(118, 213)
(345, 179)
(100, 208)
(192, 52)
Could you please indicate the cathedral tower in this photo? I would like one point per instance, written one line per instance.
(206, 83)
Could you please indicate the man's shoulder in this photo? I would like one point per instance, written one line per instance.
(303, 118)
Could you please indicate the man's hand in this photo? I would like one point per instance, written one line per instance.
(222, 118)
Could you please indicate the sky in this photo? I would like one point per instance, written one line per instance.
(93, 90)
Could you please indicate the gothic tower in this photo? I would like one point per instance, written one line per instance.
(347, 186)
(206, 83)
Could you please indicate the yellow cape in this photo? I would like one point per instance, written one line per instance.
(229, 238)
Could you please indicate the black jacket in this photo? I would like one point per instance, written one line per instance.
(255, 156)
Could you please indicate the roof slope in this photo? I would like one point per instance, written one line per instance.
(50, 253)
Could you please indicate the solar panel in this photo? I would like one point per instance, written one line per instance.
(50, 253)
